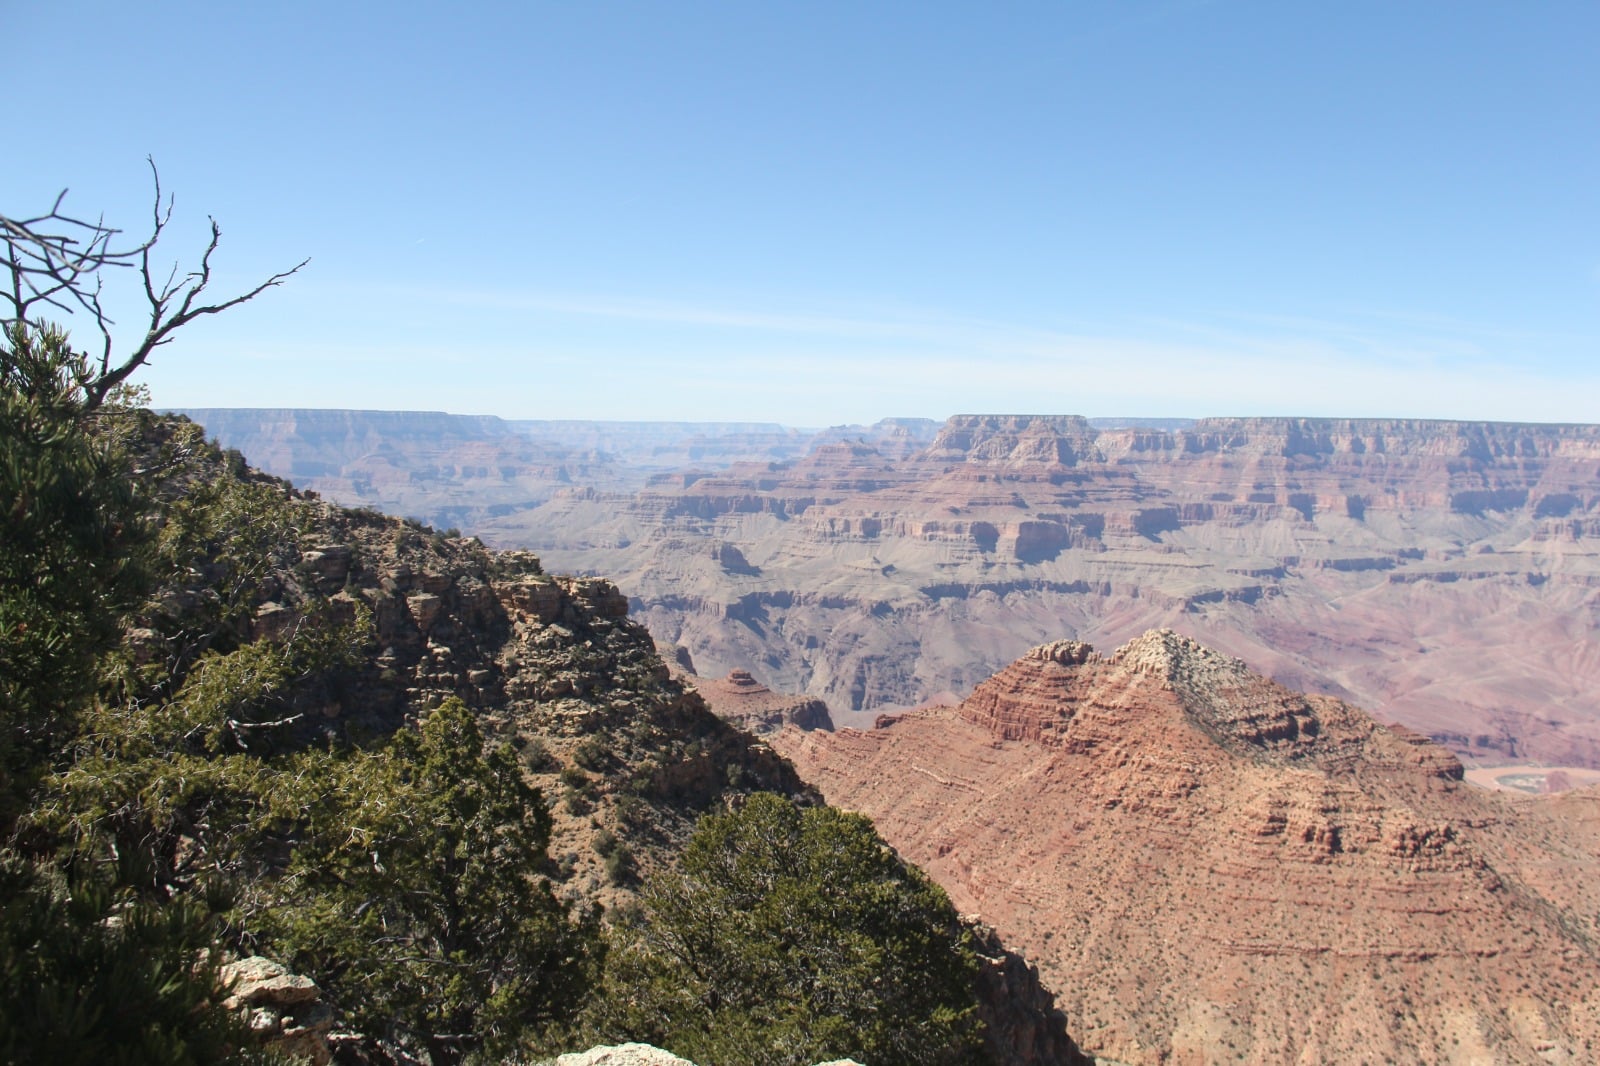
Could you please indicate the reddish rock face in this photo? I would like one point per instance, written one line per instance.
(1208, 866)
(753, 707)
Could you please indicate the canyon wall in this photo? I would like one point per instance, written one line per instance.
(1445, 575)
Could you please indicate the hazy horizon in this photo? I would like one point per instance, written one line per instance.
(1099, 421)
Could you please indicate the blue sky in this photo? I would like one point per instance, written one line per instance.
(823, 213)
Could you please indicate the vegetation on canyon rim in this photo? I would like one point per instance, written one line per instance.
(161, 801)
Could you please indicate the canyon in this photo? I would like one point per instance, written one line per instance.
(463, 470)
(1205, 861)
(1444, 575)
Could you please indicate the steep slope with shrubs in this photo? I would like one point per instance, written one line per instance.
(412, 769)
(236, 721)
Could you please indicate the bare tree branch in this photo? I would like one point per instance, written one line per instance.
(52, 266)
(56, 262)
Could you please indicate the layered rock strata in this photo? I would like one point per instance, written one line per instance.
(1210, 867)
(1444, 574)
(755, 708)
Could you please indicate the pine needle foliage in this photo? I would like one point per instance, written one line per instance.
(413, 897)
(94, 968)
(92, 975)
(72, 526)
(788, 936)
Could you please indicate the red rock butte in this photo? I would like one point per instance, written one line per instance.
(755, 708)
(1210, 867)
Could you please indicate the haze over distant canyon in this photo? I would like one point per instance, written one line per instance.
(1443, 575)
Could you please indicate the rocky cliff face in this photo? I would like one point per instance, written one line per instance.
(551, 664)
(1208, 866)
(1023, 1026)
(1445, 574)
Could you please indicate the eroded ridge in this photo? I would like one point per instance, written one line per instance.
(1197, 855)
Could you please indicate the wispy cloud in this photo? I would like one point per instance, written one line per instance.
(1366, 337)
(917, 326)
(519, 353)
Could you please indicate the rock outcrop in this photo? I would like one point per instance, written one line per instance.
(755, 708)
(552, 665)
(1022, 1024)
(622, 1055)
(285, 1010)
(1208, 866)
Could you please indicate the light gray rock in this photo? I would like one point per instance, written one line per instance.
(282, 1008)
(623, 1055)
(258, 981)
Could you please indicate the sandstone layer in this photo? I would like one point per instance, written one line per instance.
(1210, 867)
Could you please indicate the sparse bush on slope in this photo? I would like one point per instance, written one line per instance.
(170, 793)
(412, 897)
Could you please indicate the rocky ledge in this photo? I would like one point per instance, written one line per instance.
(747, 703)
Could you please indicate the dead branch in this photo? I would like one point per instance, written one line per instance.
(52, 259)
(56, 263)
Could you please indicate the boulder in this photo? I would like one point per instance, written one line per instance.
(284, 1009)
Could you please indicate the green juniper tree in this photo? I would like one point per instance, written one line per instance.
(156, 802)
(93, 967)
(791, 935)
(74, 524)
(413, 899)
